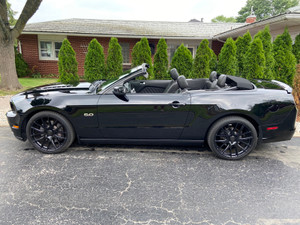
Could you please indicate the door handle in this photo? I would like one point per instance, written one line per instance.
(176, 104)
(142, 83)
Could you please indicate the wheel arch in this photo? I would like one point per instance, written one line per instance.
(253, 121)
(50, 109)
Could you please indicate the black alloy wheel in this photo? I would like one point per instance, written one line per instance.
(232, 138)
(49, 132)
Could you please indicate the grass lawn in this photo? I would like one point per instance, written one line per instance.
(29, 83)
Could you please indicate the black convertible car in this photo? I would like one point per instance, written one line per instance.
(231, 114)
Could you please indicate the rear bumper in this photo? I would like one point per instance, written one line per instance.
(14, 121)
(285, 131)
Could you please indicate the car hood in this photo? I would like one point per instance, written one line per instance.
(58, 87)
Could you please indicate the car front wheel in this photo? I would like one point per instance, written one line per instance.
(232, 138)
(49, 132)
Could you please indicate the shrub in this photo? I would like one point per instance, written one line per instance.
(227, 58)
(141, 53)
(202, 60)
(242, 46)
(161, 60)
(134, 55)
(213, 61)
(94, 64)
(67, 64)
(266, 38)
(255, 60)
(21, 66)
(296, 48)
(114, 59)
(296, 88)
(285, 61)
(183, 61)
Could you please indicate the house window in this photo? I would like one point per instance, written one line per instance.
(125, 52)
(49, 49)
(191, 49)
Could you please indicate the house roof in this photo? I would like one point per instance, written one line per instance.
(289, 19)
(129, 28)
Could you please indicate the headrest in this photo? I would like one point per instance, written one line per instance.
(221, 80)
(213, 76)
(174, 74)
(182, 82)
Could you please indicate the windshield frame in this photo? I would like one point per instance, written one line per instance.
(128, 75)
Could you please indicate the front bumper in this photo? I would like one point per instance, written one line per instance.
(14, 123)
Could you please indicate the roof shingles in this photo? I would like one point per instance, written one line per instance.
(131, 28)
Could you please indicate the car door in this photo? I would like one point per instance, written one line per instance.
(143, 116)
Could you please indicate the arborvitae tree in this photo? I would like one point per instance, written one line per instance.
(67, 64)
(134, 55)
(145, 54)
(266, 38)
(183, 61)
(285, 61)
(296, 48)
(255, 61)
(114, 59)
(213, 61)
(141, 53)
(201, 67)
(94, 64)
(227, 58)
(161, 60)
(242, 46)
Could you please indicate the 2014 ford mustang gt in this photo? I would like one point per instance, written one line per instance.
(231, 114)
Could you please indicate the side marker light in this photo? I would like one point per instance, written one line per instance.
(272, 128)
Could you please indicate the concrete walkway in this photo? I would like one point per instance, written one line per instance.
(4, 107)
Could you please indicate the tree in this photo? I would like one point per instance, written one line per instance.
(266, 38)
(296, 48)
(285, 61)
(255, 61)
(265, 8)
(183, 61)
(141, 53)
(223, 19)
(11, 13)
(161, 60)
(202, 60)
(114, 59)
(8, 35)
(227, 58)
(242, 46)
(213, 61)
(67, 64)
(94, 64)
(134, 55)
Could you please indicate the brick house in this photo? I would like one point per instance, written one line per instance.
(40, 42)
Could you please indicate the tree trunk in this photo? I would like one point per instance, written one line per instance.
(9, 78)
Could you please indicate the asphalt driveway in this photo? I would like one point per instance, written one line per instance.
(148, 185)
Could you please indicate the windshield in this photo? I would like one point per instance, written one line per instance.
(110, 82)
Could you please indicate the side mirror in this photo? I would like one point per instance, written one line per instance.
(120, 92)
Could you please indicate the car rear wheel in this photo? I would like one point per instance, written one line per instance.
(49, 132)
(232, 138)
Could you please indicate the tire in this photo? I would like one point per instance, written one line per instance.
(49, 132)
(232, 138)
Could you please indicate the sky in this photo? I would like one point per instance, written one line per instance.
(154, 10)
